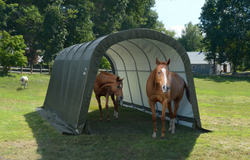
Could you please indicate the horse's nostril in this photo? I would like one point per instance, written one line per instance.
(121, 97)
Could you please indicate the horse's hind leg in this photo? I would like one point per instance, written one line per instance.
(176, 106)
(100, 106)
(107, 107)
(152, 106)
(170, 116)
(115, 106)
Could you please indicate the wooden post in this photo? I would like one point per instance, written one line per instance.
(49, 69)
(41, 69)
(22, 69)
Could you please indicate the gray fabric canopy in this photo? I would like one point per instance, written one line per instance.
(132, 54)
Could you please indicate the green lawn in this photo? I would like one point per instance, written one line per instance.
(224, 109)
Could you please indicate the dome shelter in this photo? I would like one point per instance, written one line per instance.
(132, 54)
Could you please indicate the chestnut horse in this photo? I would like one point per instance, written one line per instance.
(164, 86)
(107, 84)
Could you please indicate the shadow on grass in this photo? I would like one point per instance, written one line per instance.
(4, 75)
(218, 78)
(19, 89)
(129, 137)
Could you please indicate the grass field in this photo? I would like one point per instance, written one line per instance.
(224, 104)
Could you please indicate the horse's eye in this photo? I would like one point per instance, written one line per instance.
(159, 72)
(118, 86)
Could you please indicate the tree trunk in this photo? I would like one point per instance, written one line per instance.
(5, 70)
(235, 69)
(214, 67)
(31, 68)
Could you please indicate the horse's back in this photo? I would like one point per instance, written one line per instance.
(177, 78)
(177, 86)
(104, 78)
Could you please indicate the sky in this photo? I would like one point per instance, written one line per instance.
(174, 14)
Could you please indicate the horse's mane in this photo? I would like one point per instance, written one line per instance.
(154, 80)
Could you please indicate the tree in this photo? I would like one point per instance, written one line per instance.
(49, 26)
(107, 15)
(53, 35)
(112, 16)
(209, 26)
(3, 16)
(160, 27)
(26, 21)
(191, 38)
(104, 64)
(235, 24)
(11, 51)
(226, 24)
(78, 21)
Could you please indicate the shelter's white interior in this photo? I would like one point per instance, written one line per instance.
(135, 59)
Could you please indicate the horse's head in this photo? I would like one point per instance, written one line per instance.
(117, 89)
(162, 74)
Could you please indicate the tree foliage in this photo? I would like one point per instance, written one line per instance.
(49, 26)
(12, 49)
(104, 64)
(226, 25)
(191, 37)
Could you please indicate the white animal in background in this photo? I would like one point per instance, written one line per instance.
(24, 81)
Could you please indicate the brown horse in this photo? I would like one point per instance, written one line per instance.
(164, 86)
(107, 84)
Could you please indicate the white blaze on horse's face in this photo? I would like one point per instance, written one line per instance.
(119, 93)
(165, 87)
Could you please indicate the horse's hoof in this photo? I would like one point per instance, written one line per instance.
(163, 137)
(100, 119)
(154, 135)
(108, 120)
(173, 134)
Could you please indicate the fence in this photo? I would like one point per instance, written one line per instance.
(28, 70)
(39, 70)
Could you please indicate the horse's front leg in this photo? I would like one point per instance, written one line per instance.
(100, 106)
(152, 106)
(107, 106)
(163, 118)
(115, 106)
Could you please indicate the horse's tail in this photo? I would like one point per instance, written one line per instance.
(187, 91)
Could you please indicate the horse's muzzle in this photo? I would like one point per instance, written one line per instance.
(119, 98)
(165, 88)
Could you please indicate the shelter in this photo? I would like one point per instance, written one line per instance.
(132, 54)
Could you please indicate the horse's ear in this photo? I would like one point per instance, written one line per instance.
(168, 62)
(157, 61)
(118, 79)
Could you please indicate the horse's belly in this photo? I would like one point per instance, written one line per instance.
(103, 91)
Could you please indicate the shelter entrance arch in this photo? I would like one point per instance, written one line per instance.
(132, 55)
